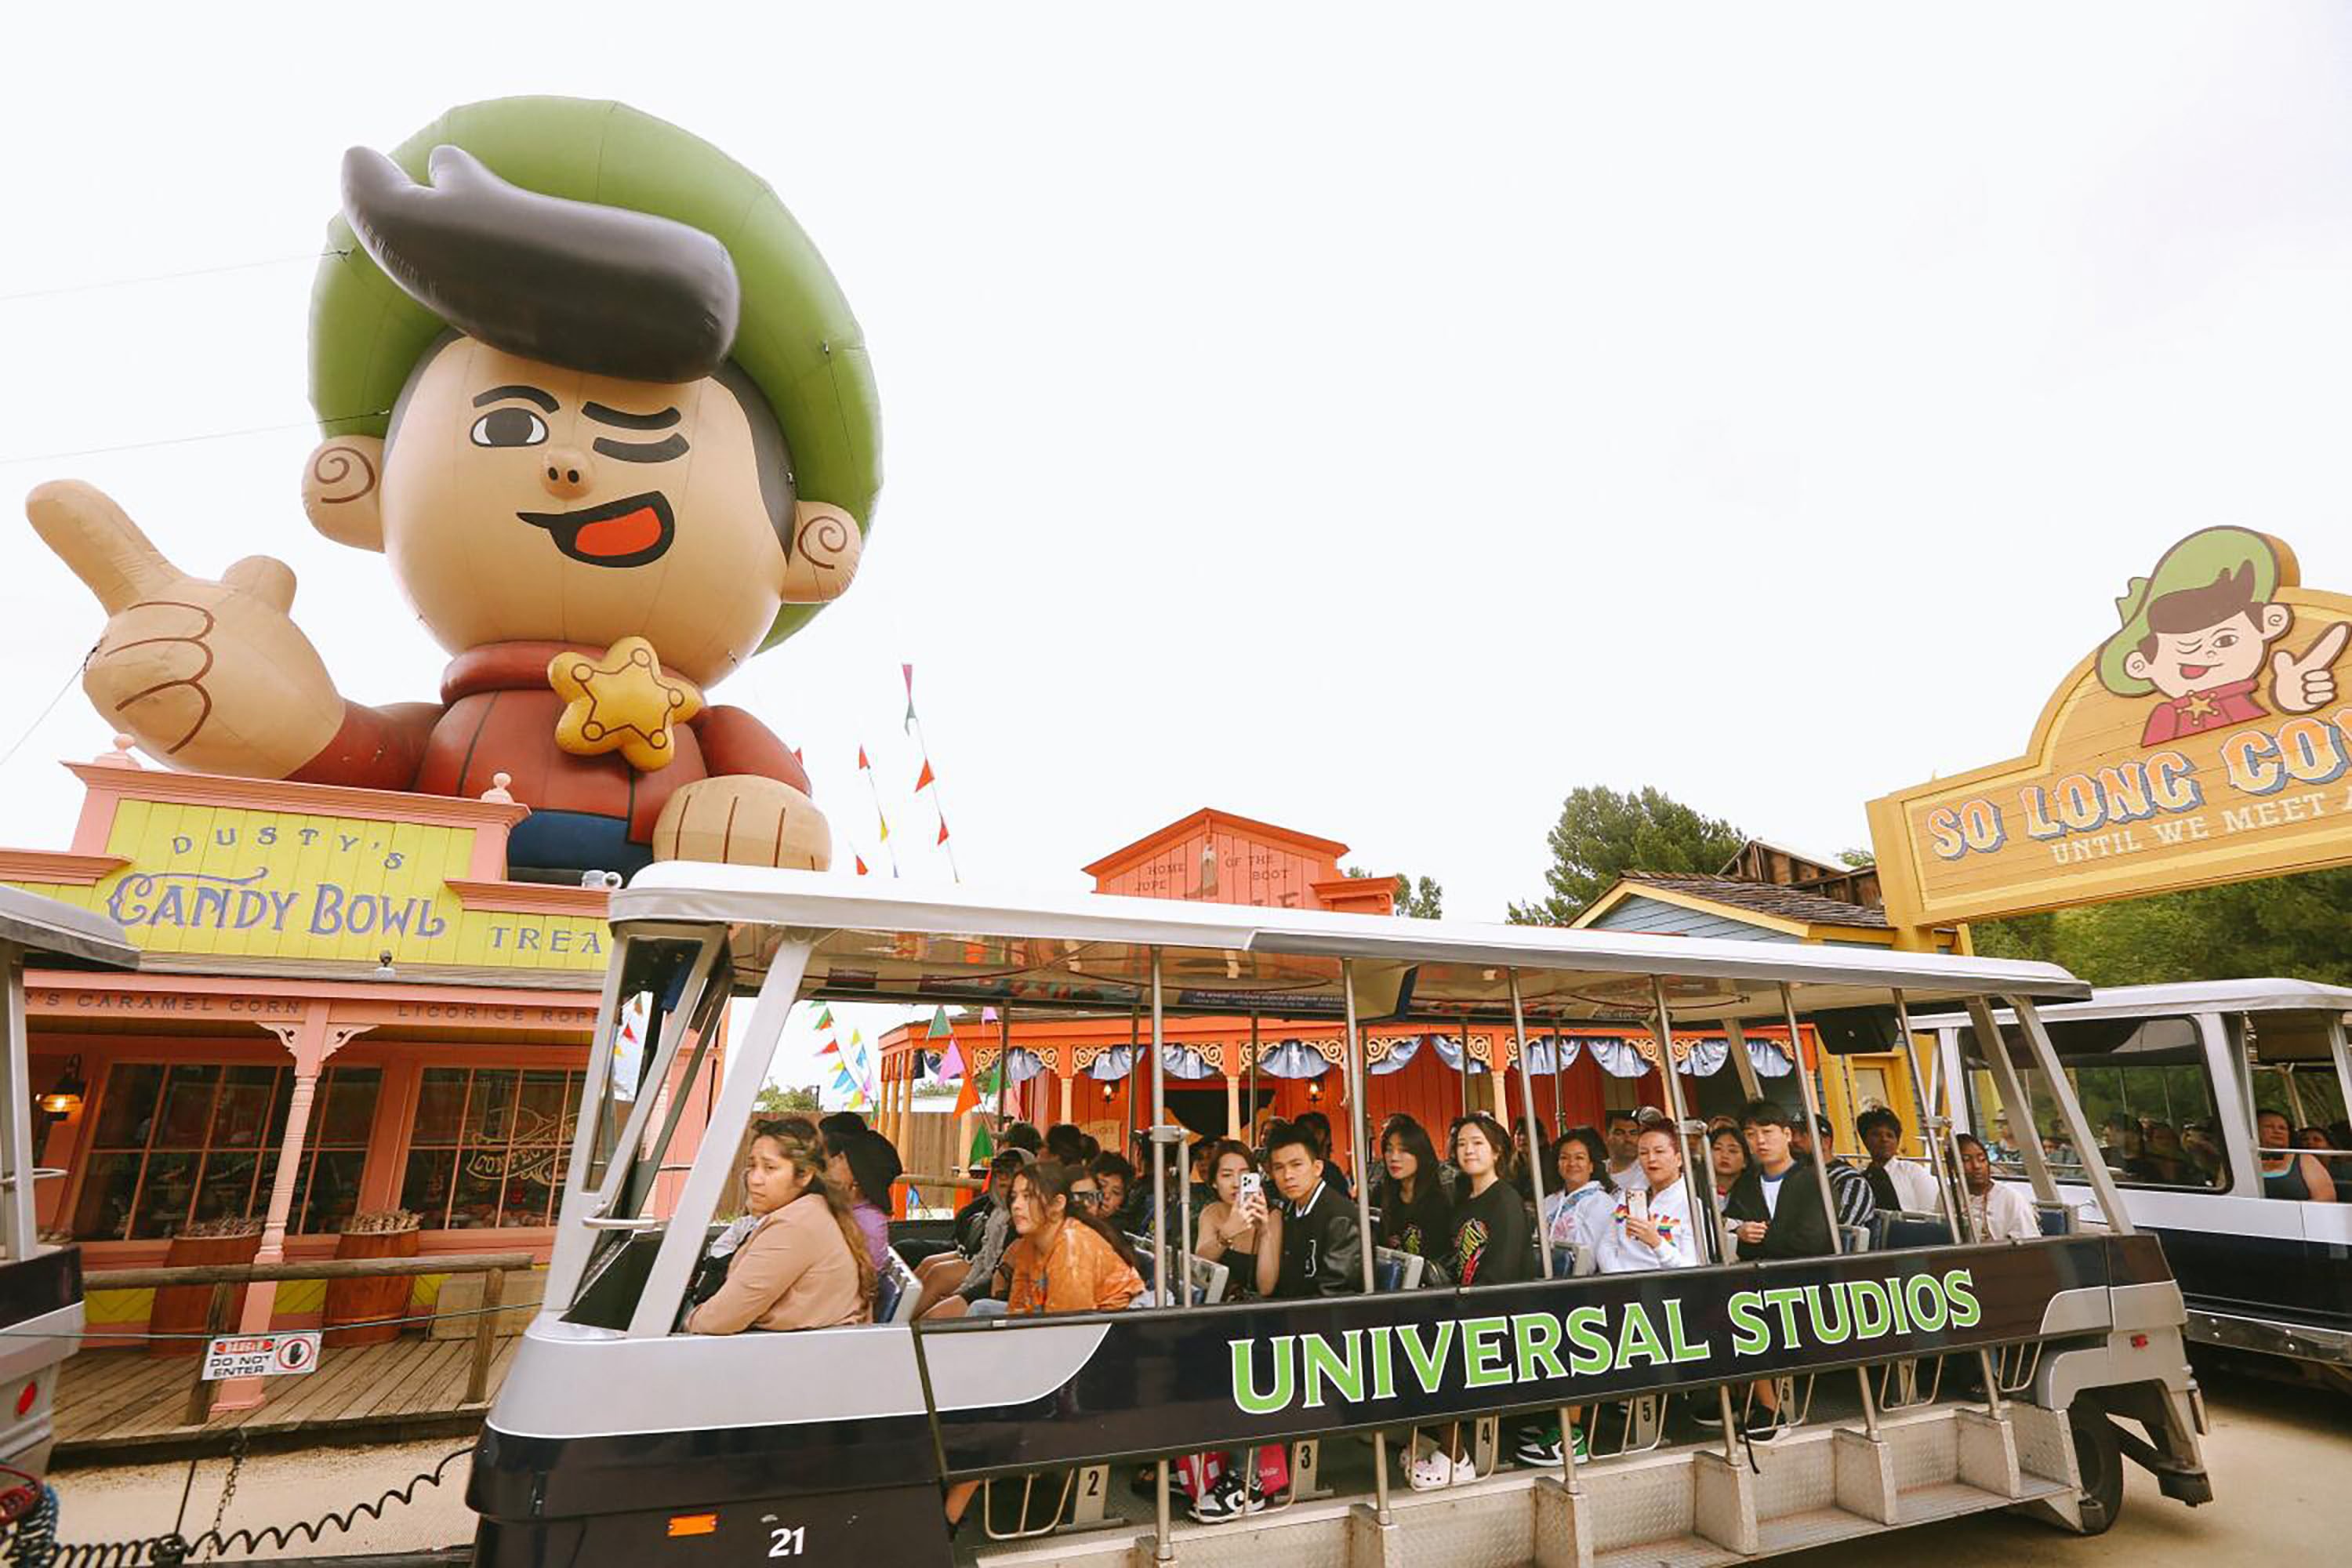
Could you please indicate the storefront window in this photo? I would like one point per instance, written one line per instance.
(199, 1141)
(489, 1146)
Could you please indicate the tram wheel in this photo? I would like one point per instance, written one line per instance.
(2101, 1459)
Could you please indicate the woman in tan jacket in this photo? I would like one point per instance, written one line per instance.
(803, 1265)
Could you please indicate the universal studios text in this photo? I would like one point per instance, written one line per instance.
(1529, 1350)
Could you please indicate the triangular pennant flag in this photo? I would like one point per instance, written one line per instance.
(861, 862)
(824, 1016)
(982, 1146)
(939, 1024)
(951, 1062)
(908, 670)
(855, 1038)
(925, 778)
(943, 829)
(969, 1098)
(830, 1048)
(988, 1015)
(862, 765)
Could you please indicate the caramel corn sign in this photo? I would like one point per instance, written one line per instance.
(2208, 739)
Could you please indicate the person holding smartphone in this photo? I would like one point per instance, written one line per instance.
(1228, 1230)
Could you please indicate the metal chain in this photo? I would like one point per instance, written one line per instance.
(228, 1487)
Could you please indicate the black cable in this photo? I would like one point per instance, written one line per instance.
(274, 1537)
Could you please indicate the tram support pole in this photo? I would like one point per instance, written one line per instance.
(1361, 1162)
(2078, 1127)
(1928, 1129)
(1822, 1179)
(1536, 1185)
(1164, 1543)
(1700, 1193)
(2015, 1101)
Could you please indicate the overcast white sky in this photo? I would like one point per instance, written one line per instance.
(1375, 421)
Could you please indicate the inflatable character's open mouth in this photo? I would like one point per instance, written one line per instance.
(627, 532)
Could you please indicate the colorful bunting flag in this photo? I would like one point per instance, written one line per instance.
(943, 829)
(951, 1063)
(925, 779)
(861, 862)
(908, 671)
(939, 1024)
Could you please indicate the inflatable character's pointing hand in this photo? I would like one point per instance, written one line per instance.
(608, 419)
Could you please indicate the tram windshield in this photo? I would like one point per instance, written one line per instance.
(2144, 1091)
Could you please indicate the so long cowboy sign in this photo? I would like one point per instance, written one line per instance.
(2208, 739)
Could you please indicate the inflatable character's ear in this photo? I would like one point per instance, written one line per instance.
(342, 490)
(826, 544)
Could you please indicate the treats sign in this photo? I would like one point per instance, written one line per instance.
(2208, 739)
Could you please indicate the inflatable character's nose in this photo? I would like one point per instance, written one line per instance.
(566, 473)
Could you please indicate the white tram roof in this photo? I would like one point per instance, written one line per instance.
(901, 943)
(49, 929)
(2186, 996)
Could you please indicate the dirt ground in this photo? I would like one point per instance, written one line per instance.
(2280, 1459)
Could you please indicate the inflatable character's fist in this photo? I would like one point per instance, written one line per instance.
(739, 820)
(208, 677)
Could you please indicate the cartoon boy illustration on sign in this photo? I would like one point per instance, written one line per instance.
(2202, 629)
(598, 402)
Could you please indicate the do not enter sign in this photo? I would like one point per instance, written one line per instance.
(261, 1355)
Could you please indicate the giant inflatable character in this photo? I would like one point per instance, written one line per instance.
(596, 399)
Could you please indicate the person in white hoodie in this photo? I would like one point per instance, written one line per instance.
(1641, 1230)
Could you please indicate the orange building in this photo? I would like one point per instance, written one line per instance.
(342, 1005)
(1226, 1074)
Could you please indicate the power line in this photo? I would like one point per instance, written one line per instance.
(184, 440)
(56, 289)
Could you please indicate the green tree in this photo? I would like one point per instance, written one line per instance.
(1601, 834)
(1422, 900)
(2299, 927)
(775, 1100)
(1855, 860)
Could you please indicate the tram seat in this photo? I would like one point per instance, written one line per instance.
(2055, 1219)
(1857, 1237)
(1205, 1278)
(1898, 1231)
(1393, 1269)
(896, 1293)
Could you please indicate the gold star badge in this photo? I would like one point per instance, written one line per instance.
(2199, 708)
(621, 702)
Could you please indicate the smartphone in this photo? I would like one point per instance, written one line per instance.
(1637, 1203)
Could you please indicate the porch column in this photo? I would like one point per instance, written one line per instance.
(1067, 1089)
(310, 1043)
(1503, 1083)
(1233, 1107)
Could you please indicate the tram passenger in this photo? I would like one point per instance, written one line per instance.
(1115, 1174)
(1023, 1136)
(1625, 1134)
(1490, 1240)
(1778, 1217)
(1319, 1126)
(1726, 1152)
(1997, 1211)
(1849, 1189)
(1065, 1142)
(2201, 1140)
(1580, 1159)
(863, 1165)
(2165, 1156)
(2288, 1173)
(804, 1263)
(1649, 1226)
(1415, 1215)
(1896, 1185)
(969, 1274)
(1064, 1258)
(1310, 1245)
(1229, 1226)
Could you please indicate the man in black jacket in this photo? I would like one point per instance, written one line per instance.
(1777, 1202)
(1776, 1207)
(1317, 1249)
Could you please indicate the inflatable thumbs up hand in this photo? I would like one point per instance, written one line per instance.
(209, 677)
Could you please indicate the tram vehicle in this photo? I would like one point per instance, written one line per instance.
(2178, 1082)
(40, 1285)
(1910, 1385)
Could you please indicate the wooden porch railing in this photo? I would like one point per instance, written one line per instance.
(224, 1277)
